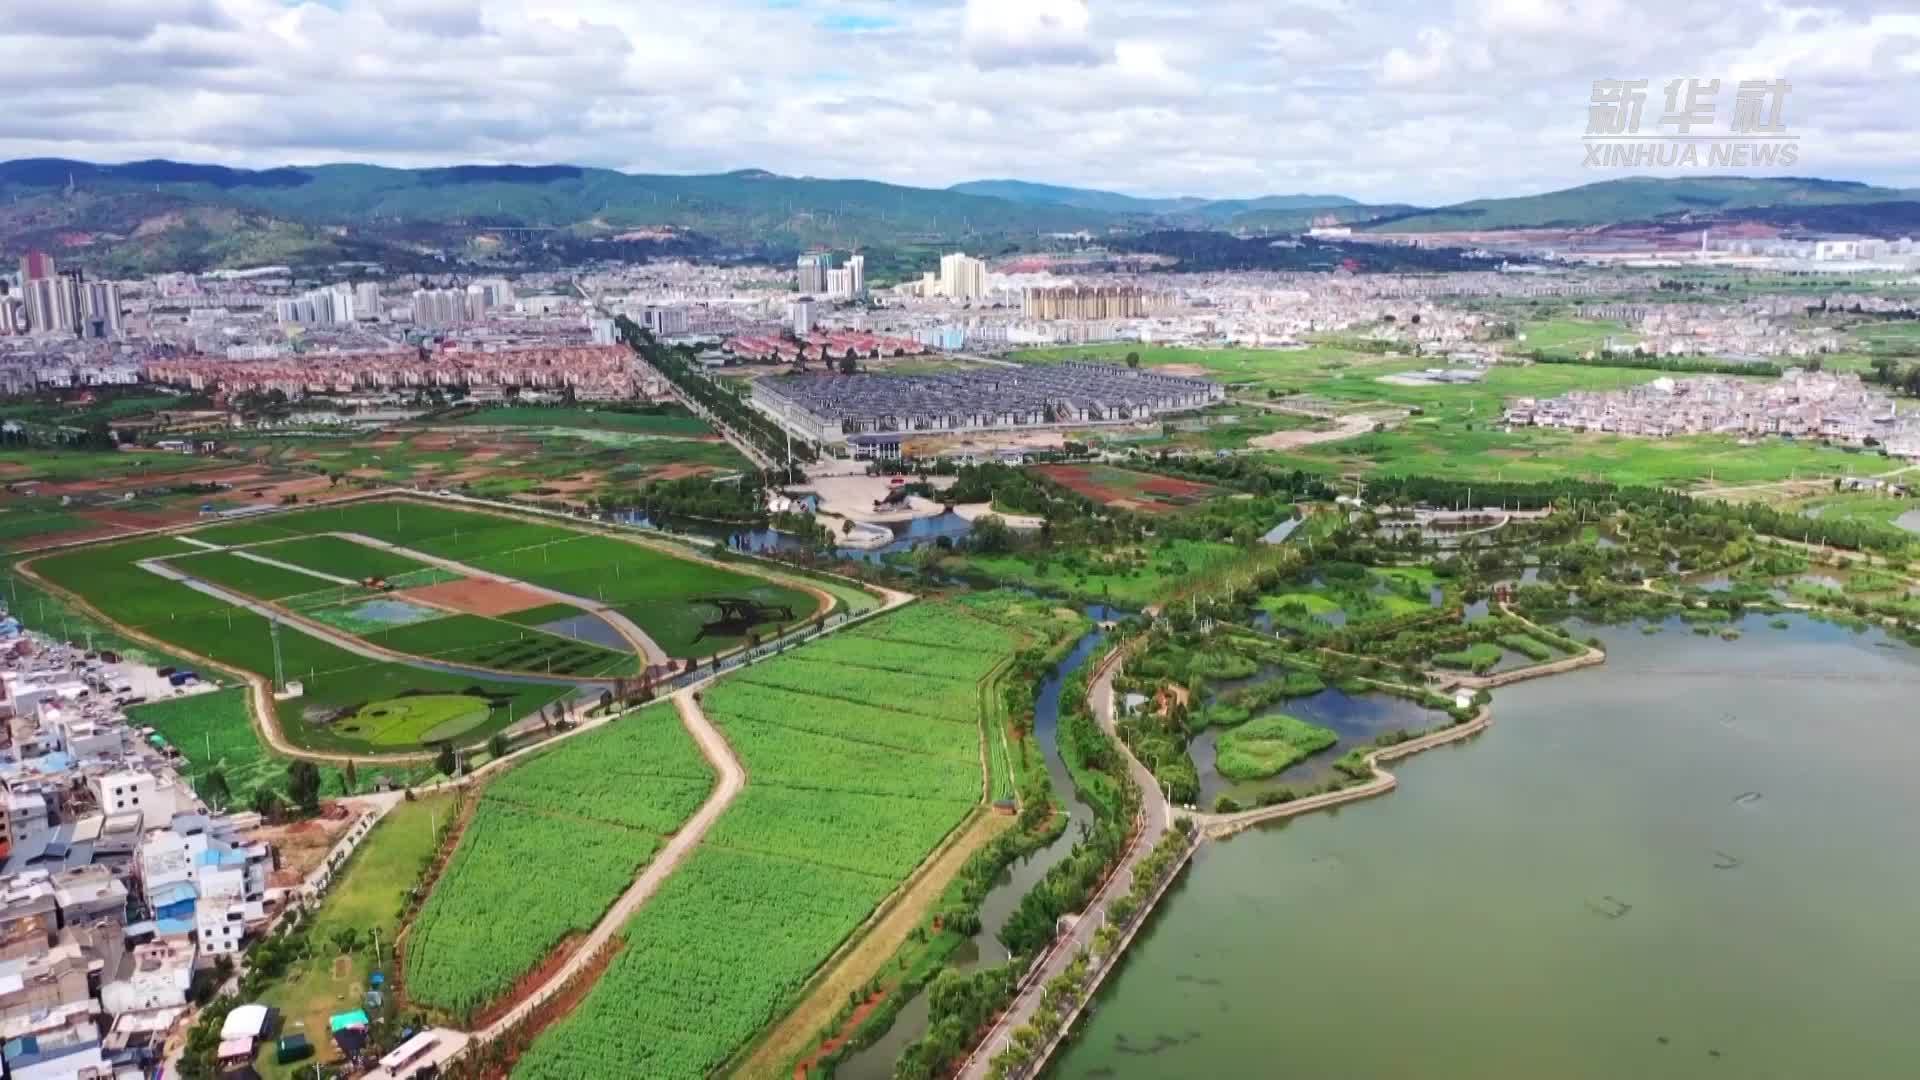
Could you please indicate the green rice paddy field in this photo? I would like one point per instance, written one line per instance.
(651, 586)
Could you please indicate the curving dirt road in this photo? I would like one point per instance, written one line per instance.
(733, 778)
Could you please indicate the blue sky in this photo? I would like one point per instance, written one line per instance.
(1385, 100)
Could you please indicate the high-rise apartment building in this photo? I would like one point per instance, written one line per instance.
(962, 278)
(1090, 302)
(439, 308)
(801, 312)
(812, 272)
(857, 266)
(366, 300)
(322, 307)
(101, 311)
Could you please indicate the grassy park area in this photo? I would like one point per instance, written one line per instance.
(362, 912)
(1455, 430)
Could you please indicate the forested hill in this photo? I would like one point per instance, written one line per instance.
(745, 206)
(1646, 199)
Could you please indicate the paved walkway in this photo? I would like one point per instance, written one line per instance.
(1155, 818)
(1216, 825)
(733, 778)
(332, 579)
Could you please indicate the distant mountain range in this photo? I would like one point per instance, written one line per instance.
(1645, 199)
(148, 215)
(1211, 210)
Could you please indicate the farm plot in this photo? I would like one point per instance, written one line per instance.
(341, 557)
(845, 720)
(504, 646)
(337, 683)
(257, 579)
(836, 812)
(660, 591)
(945, 627)
(1127, 489)
(903, 691)
(553, 842)
(710, 960)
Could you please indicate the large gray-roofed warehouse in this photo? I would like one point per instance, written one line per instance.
(830, 408)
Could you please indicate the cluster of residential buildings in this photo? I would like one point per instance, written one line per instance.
(589, 372)
(1092, 302)
(821, 273)
(1762, 328)
(1801, 404)
(834, 410)
(117, 883)
(824, 347)
(45, 302)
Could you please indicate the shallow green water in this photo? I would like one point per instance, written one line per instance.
(1699, 860)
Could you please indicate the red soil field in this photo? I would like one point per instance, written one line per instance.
(1144, 491)
(476, 596)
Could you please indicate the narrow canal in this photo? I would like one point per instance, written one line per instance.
(876, 1061)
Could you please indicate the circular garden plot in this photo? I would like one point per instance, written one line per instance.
(416, 719)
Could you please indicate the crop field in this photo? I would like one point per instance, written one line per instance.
(57, 497)
(553, 842)
(341, 557)
(258, 579)
(451, 638)
(659, 420)
(508, 452)
(337, 683)
(1128, 490)
(665, 594)
(1571, 336)
(657, 590)
(215, 732)
(843, 802)
(503, 645)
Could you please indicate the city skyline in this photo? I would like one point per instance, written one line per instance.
(1231, 101)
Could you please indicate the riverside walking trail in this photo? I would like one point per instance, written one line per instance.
(1156, 817)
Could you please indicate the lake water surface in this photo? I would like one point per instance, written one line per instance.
(1698, 860)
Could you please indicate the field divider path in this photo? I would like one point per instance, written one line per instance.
(347, 642)
(265, 721)
(308, 571)
(733, 779)
(642, 644)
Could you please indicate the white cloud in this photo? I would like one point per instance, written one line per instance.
(1017, 33)
(1402, 100)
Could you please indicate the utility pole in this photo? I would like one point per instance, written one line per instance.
(279, 672)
